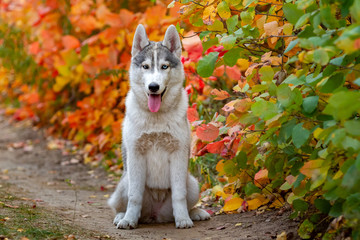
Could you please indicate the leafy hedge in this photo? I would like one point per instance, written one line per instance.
(64, 65)
(289, 128)
(283, 125)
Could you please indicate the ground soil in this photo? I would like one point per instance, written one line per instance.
(39, 173)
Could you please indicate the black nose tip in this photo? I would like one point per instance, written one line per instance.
(153, 87)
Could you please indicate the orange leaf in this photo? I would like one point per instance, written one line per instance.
(34, 48)
(70, 42)
(261, 178)
(207, 132)
(192, 114)
(311, 166)
(220, 94)
(233, 204)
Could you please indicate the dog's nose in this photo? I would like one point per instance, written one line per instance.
(154, 87)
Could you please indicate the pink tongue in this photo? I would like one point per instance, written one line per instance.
(154, 102)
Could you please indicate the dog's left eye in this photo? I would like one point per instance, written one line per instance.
(164, 67)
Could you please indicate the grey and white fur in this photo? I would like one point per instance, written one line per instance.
(156, 185)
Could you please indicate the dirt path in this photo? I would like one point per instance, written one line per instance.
(38, 173)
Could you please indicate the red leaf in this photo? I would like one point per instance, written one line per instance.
(207, 132)
(192, 114)
(193, 46)
(217, 147)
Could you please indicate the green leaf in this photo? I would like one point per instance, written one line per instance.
(351, 179)
(323, 205)
(246, 17)
(305, 229)
(300, 135)
(284, 93)
(209, 43)
(231, 23)
(300, 205)
(321, 56)
(292, 13)
(342, 105)
(328, 18)
(267, 73)
(310, 104)
(246, 3)
(250, 188)
(302, 20)
(206, 65)
(352, 127)
(231, 57)
(355, 10)
(351, 206)
(84, 50)
(357, 162)
(223, 10)
(265, 110)
(332, 83)
(291, 45)
(336, 209)
(241, 159)
(228, 42)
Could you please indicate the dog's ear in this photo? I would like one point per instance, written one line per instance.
(172, 41)
(140, 40)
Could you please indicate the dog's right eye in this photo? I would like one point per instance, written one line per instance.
(145, 66)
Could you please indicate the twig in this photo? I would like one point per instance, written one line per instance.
(270, 3)
(344, 67)
(199, 4)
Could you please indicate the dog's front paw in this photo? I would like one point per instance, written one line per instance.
(184, 223)
(126, 224)
(118, 217)
(197, 214)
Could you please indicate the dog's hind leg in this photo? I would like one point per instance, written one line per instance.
(196, 214)
(119, 199)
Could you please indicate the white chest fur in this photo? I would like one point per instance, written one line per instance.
(156, 148)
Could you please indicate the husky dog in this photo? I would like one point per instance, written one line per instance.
(156, 185)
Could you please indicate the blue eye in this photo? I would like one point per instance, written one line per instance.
(164, 67)
(145, 66)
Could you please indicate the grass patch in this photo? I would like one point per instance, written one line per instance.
(23, 219)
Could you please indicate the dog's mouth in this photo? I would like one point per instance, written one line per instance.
(154, 101)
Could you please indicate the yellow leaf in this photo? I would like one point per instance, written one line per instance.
(60, 83)
(220, 167)
(279, 201)
(209, 15)
(317, 132)
(217, 26)
(287, 28)
(254, 203)
(243, 64)
(233, 204)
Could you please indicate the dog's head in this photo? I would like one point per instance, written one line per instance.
(156, 74)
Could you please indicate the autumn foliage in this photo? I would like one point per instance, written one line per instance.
(273, 85)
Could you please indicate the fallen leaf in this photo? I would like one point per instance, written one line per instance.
(281, 236)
